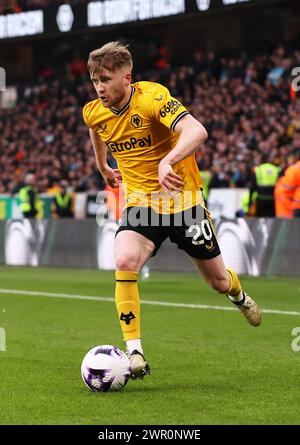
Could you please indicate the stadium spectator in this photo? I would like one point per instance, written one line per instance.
(290, 186)
(63, 202)
(283, 203)
(246, 115)
(11, 6)
(28, 197)
(264, 179)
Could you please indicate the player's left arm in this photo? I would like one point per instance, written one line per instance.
(191, 135)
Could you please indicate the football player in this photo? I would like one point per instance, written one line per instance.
(153, 138)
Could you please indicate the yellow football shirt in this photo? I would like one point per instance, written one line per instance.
(139, 136)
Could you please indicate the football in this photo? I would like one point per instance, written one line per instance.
(105, 368)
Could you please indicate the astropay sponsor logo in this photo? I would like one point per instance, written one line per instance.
(130, 144)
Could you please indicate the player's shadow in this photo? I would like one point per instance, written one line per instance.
(139, 386)
(142, 387)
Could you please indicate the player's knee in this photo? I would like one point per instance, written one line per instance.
(127, 262)
(220, 284)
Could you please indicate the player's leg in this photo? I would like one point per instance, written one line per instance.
(215, 274)
(132, 250)
(227, 282)
(197, 238)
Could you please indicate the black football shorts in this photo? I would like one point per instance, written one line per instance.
(192, 229)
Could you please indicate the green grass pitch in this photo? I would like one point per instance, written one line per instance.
(208, 366)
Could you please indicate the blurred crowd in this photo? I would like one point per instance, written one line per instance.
(11, 6)
(246, 103)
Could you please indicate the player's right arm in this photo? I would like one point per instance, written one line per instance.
(111, 176)
(191, 134)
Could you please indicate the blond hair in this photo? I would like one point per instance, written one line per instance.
(111, 56)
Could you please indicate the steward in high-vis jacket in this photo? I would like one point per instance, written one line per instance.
(28, 197)
(63, 202)
(263, 182)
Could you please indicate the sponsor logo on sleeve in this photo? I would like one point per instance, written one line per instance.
(171, 107)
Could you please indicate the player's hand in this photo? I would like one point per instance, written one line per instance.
(169, 181)
(112, 177)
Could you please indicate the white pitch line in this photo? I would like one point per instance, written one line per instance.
(150, 302)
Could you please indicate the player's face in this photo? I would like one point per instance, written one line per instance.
(111, 86)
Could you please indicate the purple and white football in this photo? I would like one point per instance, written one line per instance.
(105, 368)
